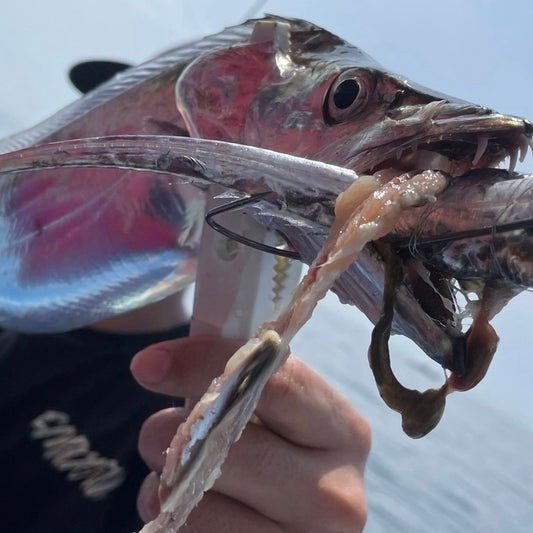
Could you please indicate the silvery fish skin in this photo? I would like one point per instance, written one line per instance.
(310, 94)
(40, 269)
(313, 95)
(148, 225)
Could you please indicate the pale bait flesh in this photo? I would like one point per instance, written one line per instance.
(201, 443)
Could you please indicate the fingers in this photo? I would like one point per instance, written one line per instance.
(225, 515)
(293, 485)
(217, 513)
(264, 487)
(182, 367)
(156, 433)
(296, 403)
(298, 468)
(260, 454)
(317, 497)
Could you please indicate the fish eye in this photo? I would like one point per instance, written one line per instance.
(347, 95)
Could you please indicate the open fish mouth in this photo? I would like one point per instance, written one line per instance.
(447, 138)
(388, 127)
(459, 150)
(456, 140)
(388, 122)
(320, 98)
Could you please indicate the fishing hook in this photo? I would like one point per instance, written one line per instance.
(235, 204)
(397, 243)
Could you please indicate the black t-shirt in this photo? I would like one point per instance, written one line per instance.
(70, 414)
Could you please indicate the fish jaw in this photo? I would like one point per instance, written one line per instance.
(333, 103)
(439, 136)
(419, 134)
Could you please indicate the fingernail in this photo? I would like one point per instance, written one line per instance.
(150, 366)
(147, 499)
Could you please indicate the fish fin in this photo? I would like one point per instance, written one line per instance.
(88, 75)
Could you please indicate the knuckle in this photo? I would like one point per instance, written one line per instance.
(355, 434)
(263, 455)
(343, 505)
(360, 436)
(281, 384)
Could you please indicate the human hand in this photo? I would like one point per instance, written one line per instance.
(298, 466)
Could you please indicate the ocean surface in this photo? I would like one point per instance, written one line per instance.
(473, 473)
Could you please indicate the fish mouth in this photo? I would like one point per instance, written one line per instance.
(456, 140)
(451, 138)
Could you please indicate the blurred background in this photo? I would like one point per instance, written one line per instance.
(474, 473)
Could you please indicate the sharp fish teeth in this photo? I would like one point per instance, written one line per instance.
(482, 143)
(513, 159)
(524, 145)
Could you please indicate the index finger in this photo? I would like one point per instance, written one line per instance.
(296, 403)
(183, 367)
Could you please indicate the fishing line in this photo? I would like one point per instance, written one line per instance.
(255, 9)
(466, 234)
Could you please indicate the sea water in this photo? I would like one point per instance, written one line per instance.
(473, 473)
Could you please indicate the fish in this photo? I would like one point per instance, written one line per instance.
(287, 86)
(312, 94)
(461, 134)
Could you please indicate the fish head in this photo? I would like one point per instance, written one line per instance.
(298, 89)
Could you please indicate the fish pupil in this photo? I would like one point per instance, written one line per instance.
(345, 94)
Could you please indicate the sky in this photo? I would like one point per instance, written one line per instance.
(477, 50)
